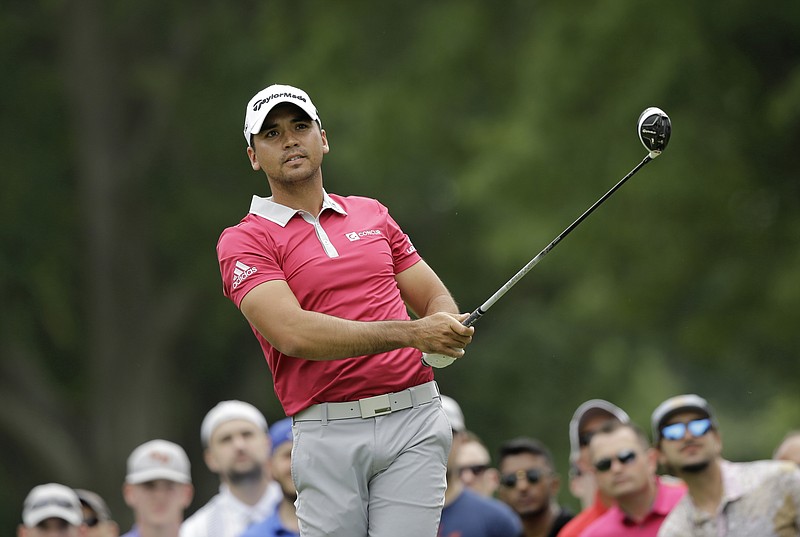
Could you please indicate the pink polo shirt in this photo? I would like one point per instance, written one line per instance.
(343, 264)
(615, 523)
(585, 518)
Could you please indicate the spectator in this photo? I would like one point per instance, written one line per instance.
(467, 513)
(474, 466)
(96, 515)
(52, 510)
(283, 522)
(529, 484)
(625, 469)
(158, 488)
(744, 499)
(328, 283)
(587, 419)
(237, 446)
(789, 448)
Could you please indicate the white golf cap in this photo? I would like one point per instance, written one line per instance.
(228, 411)
(453, 413)
(267, 99)
(158, 459)
(52, 501)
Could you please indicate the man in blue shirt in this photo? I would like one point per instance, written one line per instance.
(467, 513)
(283, 522)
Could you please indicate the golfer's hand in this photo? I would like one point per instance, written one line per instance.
(443, 333)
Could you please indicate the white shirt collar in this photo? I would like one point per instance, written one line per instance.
(260, 510)
(280, 214)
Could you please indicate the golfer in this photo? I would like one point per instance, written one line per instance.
(325, 282)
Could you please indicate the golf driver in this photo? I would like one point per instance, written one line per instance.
(654, 129)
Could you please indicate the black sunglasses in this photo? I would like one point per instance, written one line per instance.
(474, 469)
(677, 431)
(533, 476)
(626, 456)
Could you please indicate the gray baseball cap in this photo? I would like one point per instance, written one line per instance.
(676, 404)
(589, 409)
(93, 501)
(454, 414)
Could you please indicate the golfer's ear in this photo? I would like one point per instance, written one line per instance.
(325, 146)
(251, 155)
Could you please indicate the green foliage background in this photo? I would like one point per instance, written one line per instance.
(486, 128)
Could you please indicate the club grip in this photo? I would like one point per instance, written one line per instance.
(473, 317)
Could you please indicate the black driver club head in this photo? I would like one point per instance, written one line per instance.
(654, 127)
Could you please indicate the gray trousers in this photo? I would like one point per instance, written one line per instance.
(376, 477)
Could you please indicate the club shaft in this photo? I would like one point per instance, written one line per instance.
(479, 312)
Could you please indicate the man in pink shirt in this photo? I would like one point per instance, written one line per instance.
(588, 418)
(625, 470)
(326, 282)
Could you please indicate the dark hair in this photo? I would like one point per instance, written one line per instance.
(530, 446)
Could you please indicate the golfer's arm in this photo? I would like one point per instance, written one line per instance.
(273, 310)
(423, 291)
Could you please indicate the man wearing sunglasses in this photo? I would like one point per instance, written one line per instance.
(96, 515)
(529, 484)
(625, 469)
(467, 513)
(731, 499)
(475, 466)
(588, 418)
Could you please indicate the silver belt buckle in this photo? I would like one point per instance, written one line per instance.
(375, 406)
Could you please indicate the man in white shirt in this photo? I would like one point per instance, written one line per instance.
(725, 499)
(237, 448)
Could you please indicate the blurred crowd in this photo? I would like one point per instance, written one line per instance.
(668, 478)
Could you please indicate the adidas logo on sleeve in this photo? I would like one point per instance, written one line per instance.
(241, 272)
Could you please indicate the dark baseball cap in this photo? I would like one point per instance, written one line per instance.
(674, 405)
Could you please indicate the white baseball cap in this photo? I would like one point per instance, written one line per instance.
(227, 411)
(267, 99)
(454, 414)
(52, 501)
(158, 459)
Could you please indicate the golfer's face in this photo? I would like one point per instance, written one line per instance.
(290, 146)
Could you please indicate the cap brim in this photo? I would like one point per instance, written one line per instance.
(686, 408)
(258, 123)
(158, 473)
(52, 511)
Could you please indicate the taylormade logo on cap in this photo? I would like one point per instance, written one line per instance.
(267, 99)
